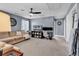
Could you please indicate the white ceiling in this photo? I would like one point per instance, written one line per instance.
(48, 9)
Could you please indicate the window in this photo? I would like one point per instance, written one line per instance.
(25, 25)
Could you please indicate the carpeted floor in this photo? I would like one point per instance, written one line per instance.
(43, 47)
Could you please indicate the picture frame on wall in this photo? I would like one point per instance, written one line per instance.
(13, 21)
(59, 22)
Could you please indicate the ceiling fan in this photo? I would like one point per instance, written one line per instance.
(32, 12)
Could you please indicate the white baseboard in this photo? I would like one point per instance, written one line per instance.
(57, 37)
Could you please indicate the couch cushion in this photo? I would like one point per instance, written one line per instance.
(7, 48)
(4, 34)
(12, 34)
(6, 40)
(18, 36)
(10, 38)
(2, 44)
(16, 48)
(8, 45)
(26, 36)
(18, 33)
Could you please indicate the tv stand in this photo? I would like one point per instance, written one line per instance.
(37, 34)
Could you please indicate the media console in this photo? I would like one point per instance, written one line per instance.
(42, 32)
(37, 34)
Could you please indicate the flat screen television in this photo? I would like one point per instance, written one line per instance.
(47, 28)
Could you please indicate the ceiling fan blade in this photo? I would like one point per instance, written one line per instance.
(36, 12)
(31, 11)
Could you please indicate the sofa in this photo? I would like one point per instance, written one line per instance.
(8, 47)
(7, 39)
(14, 37)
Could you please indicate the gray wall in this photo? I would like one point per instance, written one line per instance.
(45, 22)
(69, 30)
(18, 26)
(49, 22)
(59, 29)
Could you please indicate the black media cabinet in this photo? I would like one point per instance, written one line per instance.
(37, 34)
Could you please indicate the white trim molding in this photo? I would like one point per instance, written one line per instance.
(58, 36)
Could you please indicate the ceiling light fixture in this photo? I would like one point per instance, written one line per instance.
(30, 14)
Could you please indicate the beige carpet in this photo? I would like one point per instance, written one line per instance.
(43, 47)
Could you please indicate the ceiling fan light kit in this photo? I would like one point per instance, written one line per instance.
(32, 12)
